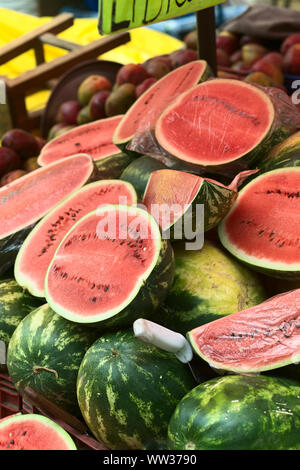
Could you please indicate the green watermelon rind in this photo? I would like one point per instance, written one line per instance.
(112, 167)
(150, 290)
(22, 279)
(19, 418)
(264, 266)
(238, 413)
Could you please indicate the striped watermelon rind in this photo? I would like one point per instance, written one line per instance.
(112, 167)
(128, 390)
(238, 413)
(285, 154)
(45, 352)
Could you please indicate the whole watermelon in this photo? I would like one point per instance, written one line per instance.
(45, 353)
(128, 390)
(238, 413)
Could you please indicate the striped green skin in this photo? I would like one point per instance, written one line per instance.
(238, 413)
(112, 167)
(139, 171)
(45, 353)
(128, 391)
(286, 154)
(199, 294)
(15, 304)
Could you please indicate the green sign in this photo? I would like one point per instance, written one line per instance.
(121, 15)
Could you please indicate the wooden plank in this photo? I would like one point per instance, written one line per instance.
(54, 41)
(37, 77)
(26, 41)
(206, 29)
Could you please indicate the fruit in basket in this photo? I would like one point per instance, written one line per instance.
(55, 129)
(68, 112)
(131, 73)
(39, 247)
(273, 57)
(131, 408)
(182, 57)
(290, 41)
(199, 295)
(144, 112)
(11, 176)
(22, 142)
(45, 352)
(291, 60)
(157, 68)
(9, 160)
(191, 40)
(236, 56)
(32, 196)
(83, 116)
(223, 58)
(238, 413)
(260, 78)
(90, 86)
(94, 138)
(120, 100)
(33, 432)
(87, 287)
(15, 304)
(31, 164)
(97, 105)
(258, 228)
(227, 41)
(260, 338)
(251, 53)
(215, 146)
(269, 68)
(142, 87)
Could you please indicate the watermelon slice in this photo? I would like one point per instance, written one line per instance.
(172, 196)
(143, 114)
(33, 432)
(218, 124)
(262, 229)
(94, 138)
(261, 338)
(26, 200)
(38, 249)
(111, 265)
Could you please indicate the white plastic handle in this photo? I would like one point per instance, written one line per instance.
(163, 338)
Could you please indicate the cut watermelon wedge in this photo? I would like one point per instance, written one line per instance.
(33, 432)
(262, 229)
(94, 138)
(111, 265)
(38, 249)
(261, 338)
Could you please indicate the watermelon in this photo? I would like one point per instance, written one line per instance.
(39, 247)
(112, 167)
(141, 117)
(110, 267)
(174, 197)
(199, 294)
(94, 139)
(260, 338)
(128, 391)
(26, 200)
(238, 413)
(15, 304)
(285, 154)
(263, 232)
(139, 171)
(45, 352)
(220, 126)
(33, 432)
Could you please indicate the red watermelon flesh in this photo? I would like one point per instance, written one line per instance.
(94, 138)
(33, 432)
(38, 249)
(114, 249)
(216, 122)
(263, 226)
(260, 338)
(24, 201)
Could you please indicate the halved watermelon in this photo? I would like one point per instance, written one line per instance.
(218, 123)
(173, 198)
(33, 432)
(38, 249)
(94, 138)
(262, 229)
(111, 266)
(261, 338)
(26, 200)
(143, 114)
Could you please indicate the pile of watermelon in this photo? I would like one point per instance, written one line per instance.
(198, 233)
